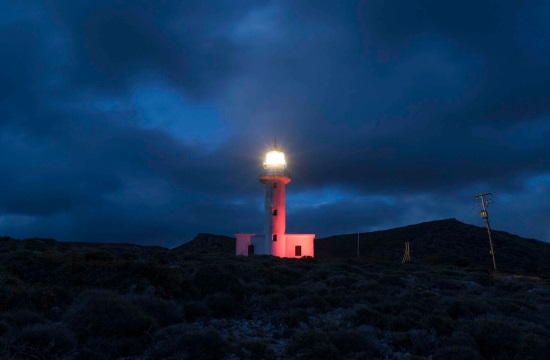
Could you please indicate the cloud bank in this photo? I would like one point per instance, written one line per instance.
(145, 121)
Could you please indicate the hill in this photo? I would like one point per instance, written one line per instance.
(208, 243)
(112, 301)
(69, 301)
(444, 241)
(122, 301)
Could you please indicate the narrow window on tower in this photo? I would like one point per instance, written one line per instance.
(274, 185)
(298, 251)
(274, 212)
(274, 237)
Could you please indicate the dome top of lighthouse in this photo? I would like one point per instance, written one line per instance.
(275, 159)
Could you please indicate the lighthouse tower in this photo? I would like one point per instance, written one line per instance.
(274, 240)
(275, 177)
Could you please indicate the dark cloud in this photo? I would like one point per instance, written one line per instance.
(390, 113)
(184, 41)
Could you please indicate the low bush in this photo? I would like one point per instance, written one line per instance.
(439, 322)
(456, 352)
(312, 344)
(365, 315)
(110, 348)
(195, 310)
(257, 350)
(468, 307)
(4, 327)
(22, 317)
(534, 346)
(186, 342)
(275, 301)
(311, 301)
(165, 312)
(43, 341)
(293, 317)
(221, 305)
(211, 279)
(91, 254)
(392, 280)
(495, 337)
(349, 341)
(103, 313)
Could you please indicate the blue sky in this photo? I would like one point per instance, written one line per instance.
(146, 121)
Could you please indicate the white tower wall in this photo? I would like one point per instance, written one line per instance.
(275, 214)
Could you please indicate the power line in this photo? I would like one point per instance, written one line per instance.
(485, 215)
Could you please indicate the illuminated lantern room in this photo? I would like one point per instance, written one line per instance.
(275, 163)
(275, 159)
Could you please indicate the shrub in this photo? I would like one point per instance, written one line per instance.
(211, 279)
(282, 274)
(4, 327)
(311, 301)
(22, 317)
(258, 350)
(97, 254)
(456, 352)
(186, 342)
(462, 307)
(350, 341)
(366, 315)
(423, 342)
(439, 322)
(276, 301)
(484, 279)
(44, 298)
(253, 349)
(293, 317)
(194, 310)
(165, 312)
(392, 280)
(461, 345)
(221, 304)
(495, 338)
(102, 313)
(43, 341)
(312, 344)
(110, 348)
(462, 262)
(533, 346)
(165, 257)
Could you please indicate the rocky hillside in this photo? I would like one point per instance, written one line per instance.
(444, 241)
(436, 242)
(208, 243)
(68, 301)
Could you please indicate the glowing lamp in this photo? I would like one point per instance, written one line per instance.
(275, 158)
(483, 214)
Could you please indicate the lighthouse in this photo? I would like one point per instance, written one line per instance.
(274, 240)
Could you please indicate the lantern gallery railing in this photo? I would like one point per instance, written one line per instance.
(276, 172)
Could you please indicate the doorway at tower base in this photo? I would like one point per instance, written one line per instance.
(295, 245)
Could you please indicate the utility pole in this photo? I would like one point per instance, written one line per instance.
(485, 215)
(407, 255)
(358, 244)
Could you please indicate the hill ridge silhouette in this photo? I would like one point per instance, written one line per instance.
(444, 241)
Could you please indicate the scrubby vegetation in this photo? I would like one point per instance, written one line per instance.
(84, 301)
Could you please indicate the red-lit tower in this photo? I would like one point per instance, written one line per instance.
(274, 240)
(275, 177)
